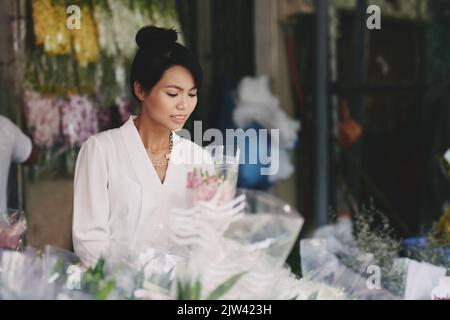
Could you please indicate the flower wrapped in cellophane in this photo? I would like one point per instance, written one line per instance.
(12, 229)
(243, 260)
(367, 263)
(214, 180)
(37, 275)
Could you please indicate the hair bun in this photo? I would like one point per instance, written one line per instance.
(151, 36)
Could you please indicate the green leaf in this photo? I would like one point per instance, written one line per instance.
(225, 287)
(196, 290)
(180, 291)
(104, 293)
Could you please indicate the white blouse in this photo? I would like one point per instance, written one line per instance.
(119, 200)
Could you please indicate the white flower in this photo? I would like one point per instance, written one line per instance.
(447, 157)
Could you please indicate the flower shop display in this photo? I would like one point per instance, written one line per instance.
(245, 261)
(69, 72)
(62, 124)
(364, 259)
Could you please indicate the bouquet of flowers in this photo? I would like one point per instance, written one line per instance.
(246, 256)
(362, 255)
(215, 183)
(246, 261)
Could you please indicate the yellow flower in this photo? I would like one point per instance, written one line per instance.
(442, 229)
(50, 27)
(85, 40)
(41, 10)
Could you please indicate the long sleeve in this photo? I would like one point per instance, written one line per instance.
(90, 231)
(22, 147)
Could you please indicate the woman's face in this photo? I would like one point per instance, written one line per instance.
(172, 100)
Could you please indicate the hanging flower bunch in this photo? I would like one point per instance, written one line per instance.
(50, 30)
(103, 17)
(95, 59)
(79, 119)
(43, 119)
(121, 12)
(85, 40)
(75, 117)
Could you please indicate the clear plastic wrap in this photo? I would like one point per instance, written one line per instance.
(216, 183)
(334, 258)
(250, 254)
(321, 264)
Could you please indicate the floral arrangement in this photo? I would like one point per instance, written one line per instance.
(210, 187)
(74, 117)
(245, 262)
(61, 124)
(374, 235)
(96, 58)
(343, 255)
(74, 77)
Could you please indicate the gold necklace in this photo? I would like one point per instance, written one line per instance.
(165, 162)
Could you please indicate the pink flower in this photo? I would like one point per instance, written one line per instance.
(43, 119)
(79, 119)
(204, 187)
(193, 181)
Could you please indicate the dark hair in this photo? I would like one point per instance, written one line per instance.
(158, 51)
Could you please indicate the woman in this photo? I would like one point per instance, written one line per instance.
(128, 179)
